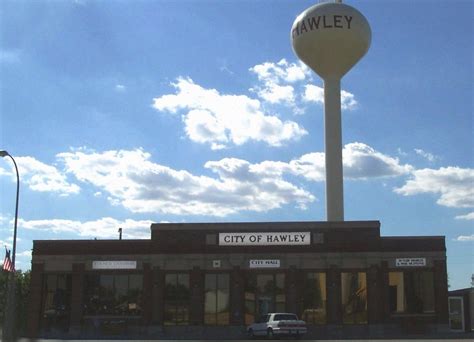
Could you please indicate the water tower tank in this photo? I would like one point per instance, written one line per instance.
(330, 38)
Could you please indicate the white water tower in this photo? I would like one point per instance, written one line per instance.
(331, 38)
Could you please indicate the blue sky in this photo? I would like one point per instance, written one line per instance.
(123, 113)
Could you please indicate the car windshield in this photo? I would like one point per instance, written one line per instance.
(286, 317)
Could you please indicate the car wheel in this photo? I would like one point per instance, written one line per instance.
(250, 333)
(270, 334)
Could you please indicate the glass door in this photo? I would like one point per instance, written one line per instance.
(264, 293)
(456, 313)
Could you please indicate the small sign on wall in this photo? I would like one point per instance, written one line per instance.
(114, 265)
(216, 263)
(410, 262)
(275, 263)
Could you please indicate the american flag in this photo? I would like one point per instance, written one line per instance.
(7, 263)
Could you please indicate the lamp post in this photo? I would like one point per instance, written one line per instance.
(10, 317)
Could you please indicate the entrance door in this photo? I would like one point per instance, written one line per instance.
(456, 313)
(265, 294)
(264, 305)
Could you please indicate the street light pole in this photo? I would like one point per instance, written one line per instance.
(10, 317)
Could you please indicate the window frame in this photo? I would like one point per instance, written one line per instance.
(114, 273)
(255, 273)
(216, 313)
(55, 320)
(411, 271)
(325, 305)
(177, 303)
(356, 270)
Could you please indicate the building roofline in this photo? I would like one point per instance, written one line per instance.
(419, 237)
(282, 224)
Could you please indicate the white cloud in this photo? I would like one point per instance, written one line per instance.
(104, 228)
(465, 238)
(315, 94)
(266, 189)
(348, 100)
(24, 254)
(272, 75)
(360, 161)
(428, 156)
(120, 88)
(4, 244)
(132, 180)
(468, 217)
(219, 119)
(401, 152)
(275, 93)
(453, 185)
(281, 71)
(42, 177)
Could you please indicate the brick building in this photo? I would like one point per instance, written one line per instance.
(209, 280)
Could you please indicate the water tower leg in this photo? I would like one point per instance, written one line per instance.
(333, 147)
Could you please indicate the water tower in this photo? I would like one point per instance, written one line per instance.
(331, 38)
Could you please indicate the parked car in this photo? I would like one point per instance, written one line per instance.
(277, 324)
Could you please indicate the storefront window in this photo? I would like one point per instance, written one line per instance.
(56, 302)
(314, 298)
(280, 296)
(354, 297)
(397, 292)
(177, 299)
(216, 301)
(250, 295)
(113, 294)
(264, 293)
(411, 292)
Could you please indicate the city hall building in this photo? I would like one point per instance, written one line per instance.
(210, 280)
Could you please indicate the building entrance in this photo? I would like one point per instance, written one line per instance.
(264, 293)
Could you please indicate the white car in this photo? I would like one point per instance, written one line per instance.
(277, 324)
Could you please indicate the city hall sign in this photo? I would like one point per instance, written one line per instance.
(265, 239)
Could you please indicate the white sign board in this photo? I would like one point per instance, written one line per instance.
(264, 263)
(265, 239)
(410, 262)
(114, 265)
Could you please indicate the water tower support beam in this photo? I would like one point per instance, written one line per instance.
(333, 150)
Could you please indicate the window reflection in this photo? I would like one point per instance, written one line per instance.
(56, 302)
(216, 301)
(314, 298)
(108, 294)
(177, 299)
(411, 292)
(397, 299)
(264, 293)
(354, 297)
(250, 297)
(280, 296)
